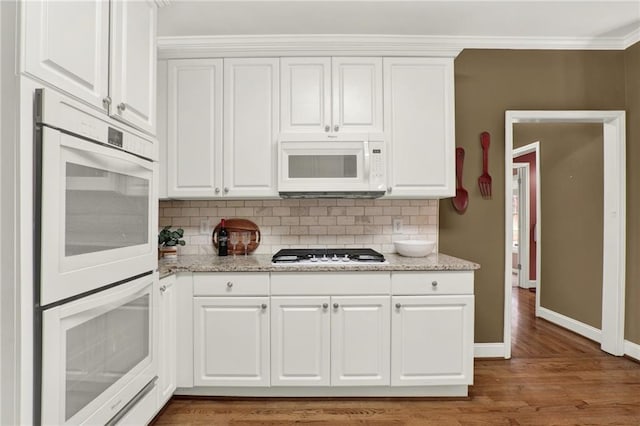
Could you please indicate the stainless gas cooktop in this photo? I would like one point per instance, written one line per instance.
(328, 256)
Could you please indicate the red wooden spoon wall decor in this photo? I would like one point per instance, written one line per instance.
(461, 200)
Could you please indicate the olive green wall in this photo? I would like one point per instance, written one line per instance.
(632, 312)
(572, 202)
(487, 83)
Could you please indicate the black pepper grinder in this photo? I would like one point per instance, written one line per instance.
(223, 238)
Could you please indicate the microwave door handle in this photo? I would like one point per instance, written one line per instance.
(367, 160)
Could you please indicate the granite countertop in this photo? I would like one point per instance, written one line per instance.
(262, 263)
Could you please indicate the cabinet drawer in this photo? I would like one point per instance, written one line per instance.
(329, 283)
(437, 282)
(231, 284)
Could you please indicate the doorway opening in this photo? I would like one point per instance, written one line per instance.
(611, 337)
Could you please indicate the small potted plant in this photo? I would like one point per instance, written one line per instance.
(168, 242)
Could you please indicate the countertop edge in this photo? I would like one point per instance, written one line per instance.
(262, 263)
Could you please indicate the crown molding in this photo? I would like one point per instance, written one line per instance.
(370, 45)
(302, 45)
(632, 38)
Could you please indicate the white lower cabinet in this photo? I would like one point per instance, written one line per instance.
(167, 340)
(336, 341)
(300, 328)
(231, 341)
(432, 340)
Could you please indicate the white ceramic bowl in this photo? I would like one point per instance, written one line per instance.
(414, 248)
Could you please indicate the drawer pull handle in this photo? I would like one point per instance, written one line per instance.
(325, 305)
(336, 306)
(229, 284)
(398, 306)
(263, 306)
(434, 283)
(163, 289)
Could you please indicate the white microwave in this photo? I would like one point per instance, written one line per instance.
(331, 166)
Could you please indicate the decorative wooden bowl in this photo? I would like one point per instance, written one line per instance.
(238, 225)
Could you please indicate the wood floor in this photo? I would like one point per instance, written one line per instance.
(554, 378)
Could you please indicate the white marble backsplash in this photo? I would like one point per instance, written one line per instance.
(305, 223)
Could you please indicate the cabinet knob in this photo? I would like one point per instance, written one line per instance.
(336, 128)
(163, 289)
(121, 107)
(434, 283)
(389, 189)
(325, 305)
(226, 190)
(263, 306)
(106, 101)
(398, 305)
(229, 284)
(327, 128)
(217, 190)
(336, 306)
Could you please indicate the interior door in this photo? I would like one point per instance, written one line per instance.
(520, 209)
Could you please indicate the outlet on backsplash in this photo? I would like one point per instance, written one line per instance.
(397, 226)
(205, 227)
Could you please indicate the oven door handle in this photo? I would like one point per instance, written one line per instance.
(129, 405)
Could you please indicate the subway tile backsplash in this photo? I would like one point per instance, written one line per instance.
(305, 223)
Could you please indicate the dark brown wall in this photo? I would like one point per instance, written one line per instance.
(632, 312)
(571, 191)
(487, 83)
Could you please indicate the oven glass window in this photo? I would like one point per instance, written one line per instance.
(103, 349)
(323, 166)
(104, 210)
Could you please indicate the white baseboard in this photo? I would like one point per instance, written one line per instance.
(632, 350)
(578, 327)
(488, 350)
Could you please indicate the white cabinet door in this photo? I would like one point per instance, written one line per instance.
(357, 95)
(300, 341)
(251, 120)
(194, 128)
(161, 128)
(419, 126)
(231, 341)
(305, 94)
(66, 44)
(360, 340)
(133, 63)
(167, 337)
(432, 340)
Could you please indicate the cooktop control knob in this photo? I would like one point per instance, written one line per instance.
(324, 258)
(313, 258)
(345, 258)
(335, 258)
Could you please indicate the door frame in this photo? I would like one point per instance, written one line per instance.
(614, 232)
(524, 218)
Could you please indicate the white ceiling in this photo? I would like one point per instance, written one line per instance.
(533, 22)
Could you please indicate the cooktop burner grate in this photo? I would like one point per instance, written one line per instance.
(343, 255)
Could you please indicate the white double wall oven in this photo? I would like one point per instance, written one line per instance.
(95, 261)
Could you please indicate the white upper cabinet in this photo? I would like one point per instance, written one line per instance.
(419, 126)
(133, 63)
(194, 149)
(66, 44)
(331, 95)
(357, 95)
(203, 161)
(251, 120)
